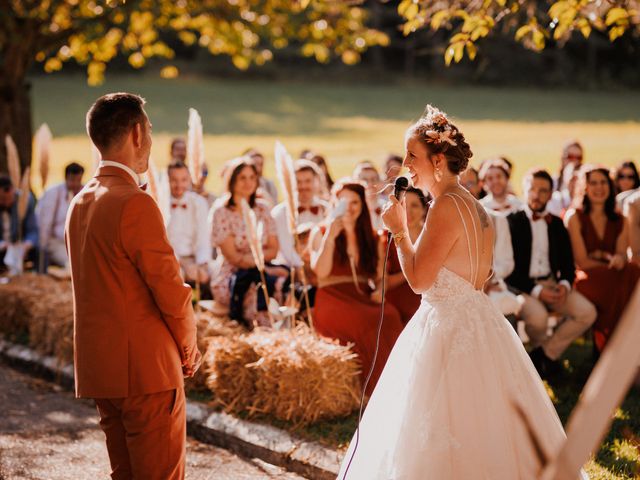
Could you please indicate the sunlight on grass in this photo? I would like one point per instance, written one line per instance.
(348, 123)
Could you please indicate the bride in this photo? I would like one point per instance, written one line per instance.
(459, 397)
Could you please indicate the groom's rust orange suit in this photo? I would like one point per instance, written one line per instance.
(134, 325)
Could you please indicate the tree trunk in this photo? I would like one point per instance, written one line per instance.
(15, 120)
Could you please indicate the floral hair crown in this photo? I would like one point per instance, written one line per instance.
(441, 130)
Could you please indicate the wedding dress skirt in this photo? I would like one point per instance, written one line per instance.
(458, 399)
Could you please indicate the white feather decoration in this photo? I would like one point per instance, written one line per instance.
(43, 139)
(13, 161)
(287, 177)
(195, 146)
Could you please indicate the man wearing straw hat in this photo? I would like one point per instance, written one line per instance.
(134, 328)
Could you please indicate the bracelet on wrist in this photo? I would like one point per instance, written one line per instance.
(398, 237)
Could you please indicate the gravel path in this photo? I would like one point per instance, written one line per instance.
(45, 433)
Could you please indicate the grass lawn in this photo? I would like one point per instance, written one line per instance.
(347, 122)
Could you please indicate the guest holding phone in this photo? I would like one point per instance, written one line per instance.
(347, 257)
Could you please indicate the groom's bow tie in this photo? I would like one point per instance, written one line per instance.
(144, 186)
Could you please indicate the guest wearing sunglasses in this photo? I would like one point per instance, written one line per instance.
(626, 181)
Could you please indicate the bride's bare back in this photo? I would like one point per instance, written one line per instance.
(458, 236)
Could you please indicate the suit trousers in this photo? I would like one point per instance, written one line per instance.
(146, 435)
(579, 315)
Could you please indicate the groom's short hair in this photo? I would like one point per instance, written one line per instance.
(112, 116)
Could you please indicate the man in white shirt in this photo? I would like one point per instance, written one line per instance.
(52, 213)
(311, 210)
(543, 272)
(495, 174)
(187, 226)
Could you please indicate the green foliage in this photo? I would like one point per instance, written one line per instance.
(248, 31)
(533, 23)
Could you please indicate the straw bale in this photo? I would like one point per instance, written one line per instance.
(290, 374)
(209, 325)
(229, 378)
(303, 378)
(41, 307)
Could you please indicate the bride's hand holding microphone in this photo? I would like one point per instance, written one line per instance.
(394, 217)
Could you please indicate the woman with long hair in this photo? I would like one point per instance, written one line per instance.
(600, 238)
(234, 285)
(346, 257)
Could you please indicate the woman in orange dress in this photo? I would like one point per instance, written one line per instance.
(399, 293)
(599, 238)
(346, 257)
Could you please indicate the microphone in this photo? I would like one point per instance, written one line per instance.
(401, 186)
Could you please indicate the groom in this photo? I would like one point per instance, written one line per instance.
(134, 328)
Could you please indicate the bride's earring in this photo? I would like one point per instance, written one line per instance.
(438, 174)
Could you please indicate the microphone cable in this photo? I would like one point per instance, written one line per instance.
(375, 356)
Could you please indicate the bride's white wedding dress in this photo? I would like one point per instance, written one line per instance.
(454, 395)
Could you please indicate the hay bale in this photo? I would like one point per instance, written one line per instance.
(42, 308)
(302, 378)
(290, 374)
(226, 363)
(209, 325)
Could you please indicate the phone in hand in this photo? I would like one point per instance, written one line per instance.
(339, 210)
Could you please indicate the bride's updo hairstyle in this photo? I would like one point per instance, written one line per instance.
(439, 135)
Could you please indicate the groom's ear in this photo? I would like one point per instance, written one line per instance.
(137, 134)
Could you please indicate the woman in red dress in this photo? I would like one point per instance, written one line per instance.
(346, 256)
(399, 293)
(599, 238)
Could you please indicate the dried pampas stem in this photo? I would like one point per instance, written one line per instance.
(287, 177)
(43, 139)
(254, 236)
(13, 161)
(195, 146)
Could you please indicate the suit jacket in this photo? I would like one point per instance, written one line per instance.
(133, 320)
(560, 253)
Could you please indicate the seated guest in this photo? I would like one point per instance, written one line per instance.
(200, 188)
(178, 152)
(494, 175)
(600, 238)
(347, 258)
(627, 181)
(632, 214)
(187, 226)
(392, 168)
(543, 273)
(327, 181)
(470, 180)
(398, 291)
(11, 230)
(572, 154)
(267, 185)
(52, 214)
(234, 285)
(367, 174)
(311, 209)
(561, 200)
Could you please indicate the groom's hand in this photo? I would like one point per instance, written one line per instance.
(192, 364)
